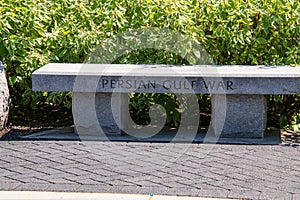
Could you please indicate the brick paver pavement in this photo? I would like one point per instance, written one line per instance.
(207, 170)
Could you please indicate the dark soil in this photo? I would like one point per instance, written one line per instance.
(289, 137)
(23, 121)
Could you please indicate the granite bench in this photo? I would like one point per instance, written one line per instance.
(240, 89)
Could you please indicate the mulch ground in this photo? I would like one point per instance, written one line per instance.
(25, 122)
(290, 137)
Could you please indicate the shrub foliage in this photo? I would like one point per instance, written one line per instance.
(34, 33)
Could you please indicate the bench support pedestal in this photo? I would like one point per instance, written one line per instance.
(232, 115)
(239, 115)
(95, 115)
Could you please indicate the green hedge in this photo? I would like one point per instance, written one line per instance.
(233, 32)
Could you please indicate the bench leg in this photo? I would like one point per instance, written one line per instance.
(239, 115)
(93, 113)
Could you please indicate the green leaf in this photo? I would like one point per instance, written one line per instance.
(261, 40)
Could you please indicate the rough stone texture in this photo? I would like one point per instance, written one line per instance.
(4, 98)
(93, 113)
(245, 114)
(239, 115)
(241, 79)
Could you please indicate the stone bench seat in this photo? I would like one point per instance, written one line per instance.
(240, 89)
